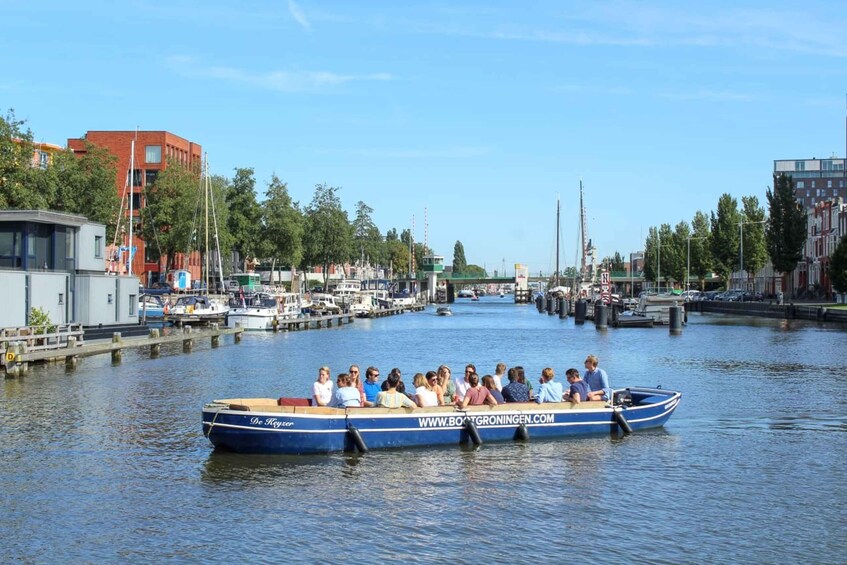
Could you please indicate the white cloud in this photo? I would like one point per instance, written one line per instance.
(283, 81)
(298, 15)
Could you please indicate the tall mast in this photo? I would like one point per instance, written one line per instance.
(131, 194)
(558, 209)
(206, 197)
(582, 230)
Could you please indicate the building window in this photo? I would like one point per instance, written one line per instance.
(133, 304)
(150, 176)
(813, 184)
(98, 246)
(43, 159)
(136, 200)
(829, 184)
(153, 154)
(136, 177)
(801, 184)
(799, 165)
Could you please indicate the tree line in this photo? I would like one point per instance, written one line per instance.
(714, 243)
(277, 230)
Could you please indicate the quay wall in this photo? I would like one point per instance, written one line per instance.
(813, 312)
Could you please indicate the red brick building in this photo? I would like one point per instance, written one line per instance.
(153, 149)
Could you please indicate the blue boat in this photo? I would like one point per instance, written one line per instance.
(266, 425)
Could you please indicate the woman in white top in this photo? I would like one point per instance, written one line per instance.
(322, 389)
(424, 395)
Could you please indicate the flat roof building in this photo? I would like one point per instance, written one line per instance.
(153, 151)
(815, 180)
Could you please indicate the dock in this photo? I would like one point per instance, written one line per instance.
(19, 354)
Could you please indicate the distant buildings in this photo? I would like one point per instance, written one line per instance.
(821, 187)
(153, 150)
(815, 180)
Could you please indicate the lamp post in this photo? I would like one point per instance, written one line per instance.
(741, 251)
(688, 261)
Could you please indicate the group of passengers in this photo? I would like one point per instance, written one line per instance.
(439, 388)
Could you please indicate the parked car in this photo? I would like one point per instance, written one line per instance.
(750, 296)
(709, 295)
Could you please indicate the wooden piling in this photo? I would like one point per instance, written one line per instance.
(117, 352)
(187, 344)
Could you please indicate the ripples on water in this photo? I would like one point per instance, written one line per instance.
(108, 463)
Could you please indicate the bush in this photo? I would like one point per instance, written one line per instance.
(41, 320)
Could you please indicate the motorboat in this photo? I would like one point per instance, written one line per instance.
(198, 309)
(254, 311)
(443, 311)
(293, 426)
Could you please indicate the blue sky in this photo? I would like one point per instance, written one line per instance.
(480, 113)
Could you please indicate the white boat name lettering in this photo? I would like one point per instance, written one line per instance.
(275, 423)
(485, 420)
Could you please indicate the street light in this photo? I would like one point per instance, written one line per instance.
(741, 250)
(688, 262)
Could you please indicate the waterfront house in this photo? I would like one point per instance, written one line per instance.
(56, 262)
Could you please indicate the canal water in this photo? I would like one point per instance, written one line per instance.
(109, 464)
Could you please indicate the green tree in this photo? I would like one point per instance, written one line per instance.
(677, 252)
(785, 234)
(328, 238)
(18, 184)
(650, 255)
(460, 264)
(168, 218)
(475, 271)
(368, 239)
(755, 248)
(283, 223)
(724, 241)
(700, 256)
(838, 266)
(398, 255)
(85, 185)
(245, 215)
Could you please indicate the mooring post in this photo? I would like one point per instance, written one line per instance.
(216, 336)
(155, 348)
(188, 343)
(117, 352)
(238, 333)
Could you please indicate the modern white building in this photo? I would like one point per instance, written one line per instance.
(56, 262)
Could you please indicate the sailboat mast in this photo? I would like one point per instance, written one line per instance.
(558, 210)
(206, 197)
(581, 230)
(131, 194)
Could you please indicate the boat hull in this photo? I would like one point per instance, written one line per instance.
(296, 430)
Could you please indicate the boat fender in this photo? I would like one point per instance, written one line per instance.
(358, 441)
(622, 423)
(522, 433)
(470, 427)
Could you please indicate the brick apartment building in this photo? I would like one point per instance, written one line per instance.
(153, 149)
(815, 180)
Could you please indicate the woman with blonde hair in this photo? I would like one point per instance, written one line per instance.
(322, 389)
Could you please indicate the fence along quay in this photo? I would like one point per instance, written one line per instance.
(22, 346)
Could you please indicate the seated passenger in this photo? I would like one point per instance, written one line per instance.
(356, 382)
(461, 384)
(392, 398)
(424, 395)
(477, 395)
(550, 391)
(371, 385)
(322, 389)
(445, 381)
(597, 380)
(347, 395)
(432, 380)
(488, 382)
(515, 391)
(523, 380)
(578, 391)
(400, 386)
(499, 375)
